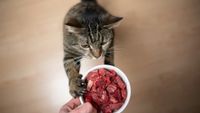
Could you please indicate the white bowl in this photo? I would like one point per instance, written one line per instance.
(124, 78)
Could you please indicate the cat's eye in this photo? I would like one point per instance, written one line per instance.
(103, 43)
(85, 46)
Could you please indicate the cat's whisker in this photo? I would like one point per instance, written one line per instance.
(77, 58)
(114, 50)
(117, 47)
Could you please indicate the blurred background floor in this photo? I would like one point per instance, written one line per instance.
(157, 46)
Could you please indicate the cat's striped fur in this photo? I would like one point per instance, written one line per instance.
(88, 32)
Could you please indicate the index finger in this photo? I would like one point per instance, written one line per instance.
(72, 104)
(75, 101)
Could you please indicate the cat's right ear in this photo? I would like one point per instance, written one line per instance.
(74, 26)
(112, 21)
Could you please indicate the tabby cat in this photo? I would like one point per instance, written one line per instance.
(88, 32)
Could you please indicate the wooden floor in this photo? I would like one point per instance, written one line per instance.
(157, 46)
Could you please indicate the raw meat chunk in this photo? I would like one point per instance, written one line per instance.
(106, 91)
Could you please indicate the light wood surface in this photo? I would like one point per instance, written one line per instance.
(157, 46)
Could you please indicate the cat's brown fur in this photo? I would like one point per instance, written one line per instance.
(88, 32)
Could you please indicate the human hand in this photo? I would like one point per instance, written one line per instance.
(74, 106)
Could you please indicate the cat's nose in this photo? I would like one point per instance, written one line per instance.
(97, 53)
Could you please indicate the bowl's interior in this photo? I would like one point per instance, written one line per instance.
(124, 78)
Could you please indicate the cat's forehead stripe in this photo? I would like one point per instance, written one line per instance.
(90, 33)
(93, 31)
(97, 32)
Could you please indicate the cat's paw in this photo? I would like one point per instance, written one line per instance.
(77, 86)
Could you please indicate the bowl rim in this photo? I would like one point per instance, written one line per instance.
(124, 78)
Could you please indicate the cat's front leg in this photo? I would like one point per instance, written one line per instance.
(76, 84)
(109, 57)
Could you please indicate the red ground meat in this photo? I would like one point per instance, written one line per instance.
(106, 91)
(111, 88)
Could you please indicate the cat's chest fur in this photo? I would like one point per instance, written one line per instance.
(87, 64)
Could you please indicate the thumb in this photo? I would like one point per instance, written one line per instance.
(85, 108)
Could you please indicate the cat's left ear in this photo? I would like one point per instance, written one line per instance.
(74, 26)
(112, 22)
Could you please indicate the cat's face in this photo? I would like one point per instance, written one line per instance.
(94, 39)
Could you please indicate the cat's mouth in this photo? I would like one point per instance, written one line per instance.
(95, 58)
